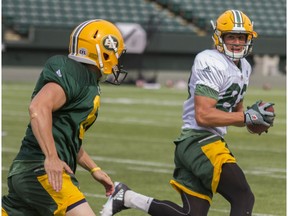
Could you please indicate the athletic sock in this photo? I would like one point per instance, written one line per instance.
(137, 201)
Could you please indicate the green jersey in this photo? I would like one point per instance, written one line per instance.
(69, 122)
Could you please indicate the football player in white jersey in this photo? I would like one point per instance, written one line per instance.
(204, 165)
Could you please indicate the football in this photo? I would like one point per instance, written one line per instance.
(258, 129)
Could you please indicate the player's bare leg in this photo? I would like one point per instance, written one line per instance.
(81, 210)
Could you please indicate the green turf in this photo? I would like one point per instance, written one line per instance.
(133, 141)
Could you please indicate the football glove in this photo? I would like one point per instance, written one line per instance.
(258, 114)
(253, 117)
(263, 109)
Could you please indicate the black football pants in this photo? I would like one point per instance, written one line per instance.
(233, 187)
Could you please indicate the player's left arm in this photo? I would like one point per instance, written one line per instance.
(85, 161)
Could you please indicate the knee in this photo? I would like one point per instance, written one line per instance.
(244, 197)
(247, 203)
(244, 192)
(250, 199)
(245, 200)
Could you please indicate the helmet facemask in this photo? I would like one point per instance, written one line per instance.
(118, 73)
(233, 22)
(109, 61)
(246, 50)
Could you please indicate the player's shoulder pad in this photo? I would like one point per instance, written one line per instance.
(211, 58)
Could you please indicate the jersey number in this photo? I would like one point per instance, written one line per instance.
(230, 97)
(91, 117)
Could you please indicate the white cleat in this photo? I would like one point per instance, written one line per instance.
(115, 202)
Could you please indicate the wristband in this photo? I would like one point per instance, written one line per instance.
(94, 169)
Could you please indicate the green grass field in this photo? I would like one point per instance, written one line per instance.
(133, 141)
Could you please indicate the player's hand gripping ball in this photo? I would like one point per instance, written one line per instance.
(259, 117)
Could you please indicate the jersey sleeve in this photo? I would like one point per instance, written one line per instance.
(208, 72)
(55, 71)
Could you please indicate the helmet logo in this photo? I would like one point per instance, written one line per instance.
(110, 43)
(83, 51)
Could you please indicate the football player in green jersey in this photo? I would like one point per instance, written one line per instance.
(64, 105)
(204, 165)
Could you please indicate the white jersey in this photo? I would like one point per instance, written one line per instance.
(213, 69)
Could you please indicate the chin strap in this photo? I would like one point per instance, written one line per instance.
(232, 55)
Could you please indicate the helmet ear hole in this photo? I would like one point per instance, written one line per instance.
(106, 56)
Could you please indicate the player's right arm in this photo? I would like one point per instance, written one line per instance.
(211, 75)
(207, 115)
(50, 98)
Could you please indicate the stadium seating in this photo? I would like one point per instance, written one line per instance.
(178, 16)
(20, 14)
(269, 16)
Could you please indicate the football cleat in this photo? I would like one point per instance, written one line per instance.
(115, 202)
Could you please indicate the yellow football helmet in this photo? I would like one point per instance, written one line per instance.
(100, 43)
(233, 21)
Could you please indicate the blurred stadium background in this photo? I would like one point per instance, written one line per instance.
(162, 35)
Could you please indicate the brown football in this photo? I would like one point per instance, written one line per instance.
(258, 129)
